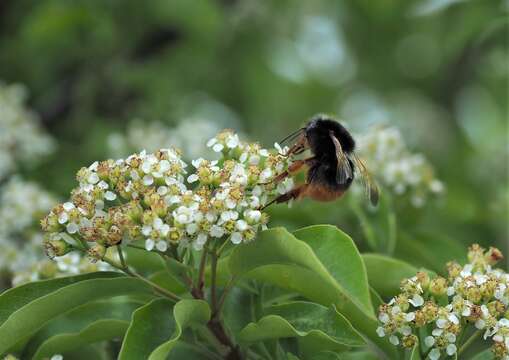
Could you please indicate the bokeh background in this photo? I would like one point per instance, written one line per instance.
(106, 78)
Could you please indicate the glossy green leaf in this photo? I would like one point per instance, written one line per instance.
(484, 355)
(73, 329)
(150, 327)
(186, 313)
(279, 258)
(153, 324)
(99, 330)
(15, 298)
(167, 281)
(31, 317)
(360, 355)
(385, 273)
(317, 327)
(376, 299)
(338, 253)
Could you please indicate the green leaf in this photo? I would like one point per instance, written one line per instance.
(375, 298)
(317, 327)
(75, 328)
(31, 317)
(484, 355)
(186, 313)
(338, 253)
(277, 257)
(361, 355)
(150, 327)
(15, 298)
(168, 281)
(431, 251)
(97, 331)
(385, 273)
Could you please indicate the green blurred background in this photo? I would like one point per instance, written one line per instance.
(436, 69)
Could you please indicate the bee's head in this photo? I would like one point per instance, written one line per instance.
(318, 134)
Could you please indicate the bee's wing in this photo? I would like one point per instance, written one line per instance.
(344, 170)
(370, 185)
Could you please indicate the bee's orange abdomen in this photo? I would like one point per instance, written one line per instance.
(322, 193)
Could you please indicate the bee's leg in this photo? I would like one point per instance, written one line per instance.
(292, 194)
(292, 169)
(299, 146)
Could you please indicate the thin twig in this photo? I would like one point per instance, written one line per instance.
(156, 287)
(213, 295)
(200, 282)
(226, 290)
(121, 257)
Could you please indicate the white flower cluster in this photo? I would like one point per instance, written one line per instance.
(22, 140)
(189, 136)
(477, 296)
(22, 204)
(154, 198)
(397, 168)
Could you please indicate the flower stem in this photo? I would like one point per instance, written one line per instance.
(226, 290)
(121, 257)
(197, 291)
(213, 292)
(156, 287)
(469, 341)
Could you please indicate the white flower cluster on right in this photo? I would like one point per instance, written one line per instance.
(396, 167)
(438, 311)
(153, 197)
(22, 139)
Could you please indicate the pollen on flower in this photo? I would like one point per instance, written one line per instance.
(474, 295)
(160, 201)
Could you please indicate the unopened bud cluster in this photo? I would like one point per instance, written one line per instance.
(156, 197)
(474, 295)
(396, 167)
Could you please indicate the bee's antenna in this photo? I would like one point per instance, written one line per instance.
(292, 135)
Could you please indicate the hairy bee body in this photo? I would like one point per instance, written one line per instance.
(332, 166)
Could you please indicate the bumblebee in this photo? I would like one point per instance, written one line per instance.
(332, 166)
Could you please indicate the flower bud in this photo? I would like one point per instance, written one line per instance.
(96, 252)
(409, 341)
(56, 247)
(423, 279)
(438, 286)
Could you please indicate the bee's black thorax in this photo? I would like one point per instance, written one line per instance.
(323, 169)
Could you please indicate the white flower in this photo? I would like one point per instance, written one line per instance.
(57, 357)
(394, 340)
(384, 318)
(109, 195)
(417, 300)
(161, 246)
(236, 238)
(434, 354)
(192, 178)
(429, 341)
(218, 147)
(380, 331)
(149, 244)
(451, 349)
